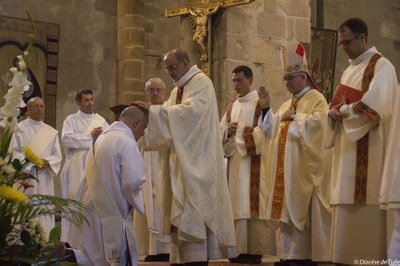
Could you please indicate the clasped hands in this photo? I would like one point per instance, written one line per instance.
(335, 114)
(96, 132)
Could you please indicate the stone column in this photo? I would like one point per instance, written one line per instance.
(131, 53)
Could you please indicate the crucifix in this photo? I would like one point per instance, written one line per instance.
(200, 16)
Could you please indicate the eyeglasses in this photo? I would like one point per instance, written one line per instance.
(238, 80)
(348, 41)
(290, 77)
(172, 67)
(153, 90)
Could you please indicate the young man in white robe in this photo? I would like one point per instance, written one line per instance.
(43, 139)
(78, 132)
(363, 111)
(241, 140)
(298, 165)
(111, 189)
(148, 225)
(197, 212)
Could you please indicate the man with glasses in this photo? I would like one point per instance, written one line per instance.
(297, 164)
(148, 225)
(197, 208)
(241, 142)
(362, 115)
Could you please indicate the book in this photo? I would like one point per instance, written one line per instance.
(346, 94)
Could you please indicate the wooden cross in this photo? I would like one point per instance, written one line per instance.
(200, 16)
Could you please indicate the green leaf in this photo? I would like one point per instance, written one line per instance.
(5, 142)
(55, 234)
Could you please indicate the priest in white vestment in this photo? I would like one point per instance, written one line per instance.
(43, 139)
(111, 188)
(362, 113)
(148, 225)
(78, 132)
(197, 212)
(241, 140)
(297, 166)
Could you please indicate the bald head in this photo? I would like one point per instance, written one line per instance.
(36, 108)
(176, 63)
(136, 119)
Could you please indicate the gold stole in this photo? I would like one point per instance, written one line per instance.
(255, 161)
(279, 183)
(360, 189)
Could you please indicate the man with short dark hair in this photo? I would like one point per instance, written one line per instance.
(78, 132)
(242, 147)
(361, 114)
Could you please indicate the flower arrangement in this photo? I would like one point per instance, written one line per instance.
(22, 238)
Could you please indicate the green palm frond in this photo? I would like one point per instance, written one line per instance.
(45, 205)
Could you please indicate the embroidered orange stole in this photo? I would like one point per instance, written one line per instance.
(255, 161)
(279, 183)
(361, 177)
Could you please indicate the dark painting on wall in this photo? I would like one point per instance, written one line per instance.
(321, 53)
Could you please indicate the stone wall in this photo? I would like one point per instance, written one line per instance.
(248, 34)
(252, 35)
(87, 48)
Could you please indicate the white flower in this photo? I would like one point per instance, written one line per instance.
(19, 81)
(8, 169)
(14, 70)
(14, 100)
(22, 65)
(3, 161)
(9, 111)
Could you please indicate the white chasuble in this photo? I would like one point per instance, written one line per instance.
(305, 157)
(43, 139)
(200, 196)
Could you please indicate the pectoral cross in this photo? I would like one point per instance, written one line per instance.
(200, 16)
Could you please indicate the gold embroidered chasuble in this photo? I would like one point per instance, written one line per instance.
(296, 167)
